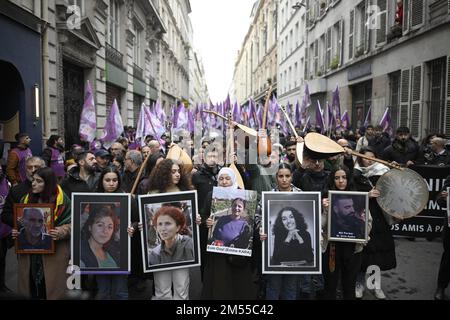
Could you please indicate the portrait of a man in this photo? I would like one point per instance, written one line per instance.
(33, 235)
(348, 216)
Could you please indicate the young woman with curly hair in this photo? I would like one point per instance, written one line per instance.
(169, 176)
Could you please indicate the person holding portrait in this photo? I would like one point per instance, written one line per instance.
(45, 276)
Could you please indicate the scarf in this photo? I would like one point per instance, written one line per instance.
(231, 173)
(376, 169)
(61, 215)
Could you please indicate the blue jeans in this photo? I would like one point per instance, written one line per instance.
(112, 287)
(281, 287)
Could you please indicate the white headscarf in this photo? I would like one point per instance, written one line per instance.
(231, 173)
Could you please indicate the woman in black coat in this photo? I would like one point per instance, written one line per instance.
(380, 250)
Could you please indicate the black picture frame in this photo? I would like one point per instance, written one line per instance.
(300, 255)
(148, 206)
(355, 228)
(117, 248)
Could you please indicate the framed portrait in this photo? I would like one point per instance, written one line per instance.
(100, 242)
(233, 212)
(170, 236)
(34, 222)
(347, 219)
(292, 222)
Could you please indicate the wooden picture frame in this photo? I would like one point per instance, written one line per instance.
(31, 240)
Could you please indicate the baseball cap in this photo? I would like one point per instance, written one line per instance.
(102, 153)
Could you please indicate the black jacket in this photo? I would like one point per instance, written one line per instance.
(379, 144)
(380, 250)
(401, 153)
(73, 182)
(204, 181)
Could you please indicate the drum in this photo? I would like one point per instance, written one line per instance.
(403, 193)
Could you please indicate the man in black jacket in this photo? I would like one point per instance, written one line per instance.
(83, 177)
(404, 150)
(204, 180)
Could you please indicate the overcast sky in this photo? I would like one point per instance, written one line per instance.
(219, 30)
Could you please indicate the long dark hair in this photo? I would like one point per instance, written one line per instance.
(161, 177)
(151, 163)
(331, 183)
(105, 171)
(280, 230)
(48, 195)
(97, 212)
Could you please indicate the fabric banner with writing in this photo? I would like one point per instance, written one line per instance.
(428, 223)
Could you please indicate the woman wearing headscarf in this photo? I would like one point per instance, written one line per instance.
(226, 277)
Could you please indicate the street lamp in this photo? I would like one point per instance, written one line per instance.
(298, 5)
(37, 101)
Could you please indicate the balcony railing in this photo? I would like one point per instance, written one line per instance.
(138, 72)
(114, 56)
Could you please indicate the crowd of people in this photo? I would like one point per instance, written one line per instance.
(57, 173)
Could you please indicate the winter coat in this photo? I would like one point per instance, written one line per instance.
(73, 183)
(55, 265)
(380, 250)
(401, 153)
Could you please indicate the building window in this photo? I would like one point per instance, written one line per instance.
(296, 76)
(394, 84)
(297, 35)
(137, 45)
(114, 24)
(436, 94)
(80, 4)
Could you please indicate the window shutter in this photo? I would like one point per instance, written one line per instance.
(381, 32)
(406, 13)
(404, 97)
(341, 42)
(366, 28)
(416, 101)
(328, 41)
(308, 13)
(447, 106)
(417, 14)
(351, 34)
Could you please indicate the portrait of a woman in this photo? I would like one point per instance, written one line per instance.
(233, 230)
(292, 244)
(98, 247)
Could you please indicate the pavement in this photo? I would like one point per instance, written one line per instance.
(414, 278)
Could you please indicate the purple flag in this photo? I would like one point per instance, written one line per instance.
(345, 120)
(331, 118)
(226, 106)
(368, 117)
(236, 114)
(259, 116)
(113, 126)
(159, 112)
(88, 119)
(306, 100)
(157, 128)
(190, 126)
(181, 117)
(319, 118)
(252, 121)
(336, 103)
(297, 115)
(386, 121)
